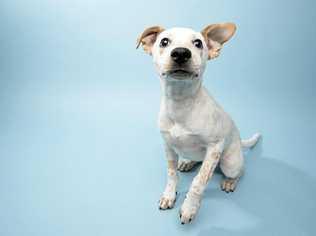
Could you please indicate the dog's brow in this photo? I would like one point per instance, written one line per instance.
(195, 36)
(166, 35)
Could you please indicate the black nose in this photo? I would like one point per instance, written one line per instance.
(180, 55)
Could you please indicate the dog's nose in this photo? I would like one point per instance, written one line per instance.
(180, 55)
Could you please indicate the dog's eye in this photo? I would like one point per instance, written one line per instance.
(164, 42)
(198, 43)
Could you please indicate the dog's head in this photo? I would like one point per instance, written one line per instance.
(181, 53)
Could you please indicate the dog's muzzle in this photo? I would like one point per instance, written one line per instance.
(180, 68)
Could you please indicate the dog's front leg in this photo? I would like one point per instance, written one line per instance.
(168, 197)
(193, 198)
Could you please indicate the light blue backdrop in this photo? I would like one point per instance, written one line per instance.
(80, 152)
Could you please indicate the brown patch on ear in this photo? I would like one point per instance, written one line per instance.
(148, 38)
(216, 35)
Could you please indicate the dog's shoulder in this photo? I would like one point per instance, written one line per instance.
(164, 122)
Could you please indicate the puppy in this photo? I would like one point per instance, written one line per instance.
(193, 125)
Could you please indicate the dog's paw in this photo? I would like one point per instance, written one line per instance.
(167, 201)
(186, 165)
(189, 209)
(229, 185)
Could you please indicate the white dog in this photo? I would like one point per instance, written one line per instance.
(192, 124)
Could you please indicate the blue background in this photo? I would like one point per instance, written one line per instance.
(80, 151)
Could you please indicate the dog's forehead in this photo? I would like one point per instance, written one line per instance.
(180, 33)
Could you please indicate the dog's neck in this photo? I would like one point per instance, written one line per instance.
(180, 90)
(179, 96)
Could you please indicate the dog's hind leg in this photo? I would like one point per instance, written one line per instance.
(229, 184)
(186, 165)
(232, 164)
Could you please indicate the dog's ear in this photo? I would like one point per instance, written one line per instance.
(216, 35)
(148, 38)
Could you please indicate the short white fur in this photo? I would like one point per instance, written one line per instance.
(193, 125)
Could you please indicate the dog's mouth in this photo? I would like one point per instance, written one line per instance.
(179, 73)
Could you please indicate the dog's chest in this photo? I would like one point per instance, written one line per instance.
(186, 142)
(179, 134)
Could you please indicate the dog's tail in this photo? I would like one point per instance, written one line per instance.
(251, 142)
